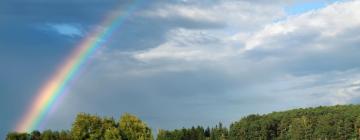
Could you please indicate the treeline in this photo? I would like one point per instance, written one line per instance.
(334, 122)
(195, 133)
(93, 127)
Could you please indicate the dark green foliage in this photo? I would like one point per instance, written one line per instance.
(64, 135)
(48, 135)
(334, 122)
(17, 136)
(35, 135)
(195, 133)
(219, 133)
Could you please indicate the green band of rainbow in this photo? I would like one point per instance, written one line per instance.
(53, 89)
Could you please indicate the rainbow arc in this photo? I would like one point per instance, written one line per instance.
(57, 84)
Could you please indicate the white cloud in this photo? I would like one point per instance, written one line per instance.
(312, 31)
(309, 43)
(239, 15)
(336, 87)
(328, 22)
(348, 93)
(188, 45)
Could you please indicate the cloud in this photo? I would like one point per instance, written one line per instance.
(319, 25)
(308, 59)
(66, 29)
(187, 45)
(235, 15)
(316, 36)
(328, 88)
(348, 94)
(302, 50)
(42, 11)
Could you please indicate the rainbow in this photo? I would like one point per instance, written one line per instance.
(56, 86)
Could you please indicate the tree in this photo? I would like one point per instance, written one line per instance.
(219, 133)
(48, 135)
(87, 126)
(64, 135)
(133, 128)
(207, 132)
(112, 134)
(110, 130)
(335, 122)
(17, 136)
(164, 135)
(35, 135)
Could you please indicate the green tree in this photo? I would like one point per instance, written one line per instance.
(17, 136)
(112, 134)
(110, 130)
(219, 133)
(64, 135)
(48, 135)
(164, 135)
(335, 122)
(133, 128)
(87, 126)
(35, 135)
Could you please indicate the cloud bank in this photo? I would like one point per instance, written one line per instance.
(220, 61)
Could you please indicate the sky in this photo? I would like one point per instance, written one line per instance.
(180, 63)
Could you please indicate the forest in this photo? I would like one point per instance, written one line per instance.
(323, 122)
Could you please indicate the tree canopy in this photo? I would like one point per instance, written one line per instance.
(333, 122)
(93, 127)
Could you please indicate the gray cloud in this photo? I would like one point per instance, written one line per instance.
(284, 65)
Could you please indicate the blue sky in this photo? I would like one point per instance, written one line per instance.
(182, 63)
(305, 6)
